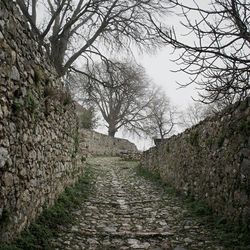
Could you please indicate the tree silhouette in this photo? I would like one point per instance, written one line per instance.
(120, 91)
(73, 29)
(219, 59)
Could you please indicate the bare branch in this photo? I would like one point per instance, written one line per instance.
(75, 27)
(119, 90)
(219, 59)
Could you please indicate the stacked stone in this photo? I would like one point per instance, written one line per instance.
(125, 211)
(130, 156)
(210, 161)
(38, 127)
(100, 144)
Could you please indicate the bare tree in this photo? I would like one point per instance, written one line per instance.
(198, 111)
(119, 90)
(160, 116)
(73, 29)
(219, 59)
(193, 114)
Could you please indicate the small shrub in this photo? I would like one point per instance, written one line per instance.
(220, 141)
(62, 96)
(87, 118)
(38, 75)
(244, 127)
(16, 106)
(4, 217)
(27, 102)
(198, 208)
(194, 138)
(167, 148)
(30, 102)
(209, 142)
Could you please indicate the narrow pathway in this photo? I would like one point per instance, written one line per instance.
(125, 211)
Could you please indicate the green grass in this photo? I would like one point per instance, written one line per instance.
(231, 236)
(155, 177)
(39, 233)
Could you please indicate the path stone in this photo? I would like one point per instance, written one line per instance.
(125, 211)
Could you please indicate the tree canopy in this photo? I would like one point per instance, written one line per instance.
(119, 91)
(219, 59)
(80, 29)
(161, 114)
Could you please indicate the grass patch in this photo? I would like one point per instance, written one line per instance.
(197, 208)
(231, 236)
(155, 177)
(194, 138)
(39, 233)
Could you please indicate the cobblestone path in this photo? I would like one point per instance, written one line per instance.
(125, 211)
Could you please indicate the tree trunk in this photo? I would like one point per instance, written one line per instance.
(34, 5)
(59, 46)
(112, 130)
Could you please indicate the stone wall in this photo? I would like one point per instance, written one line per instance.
(210, 161)
(38, 127)
(99, 144)
(41, 148)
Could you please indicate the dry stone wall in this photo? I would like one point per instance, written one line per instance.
(210, 161)
(38, 127)
(42, 150)
(99, 144)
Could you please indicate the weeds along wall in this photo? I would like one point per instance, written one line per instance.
(210, 161)
(38, 127)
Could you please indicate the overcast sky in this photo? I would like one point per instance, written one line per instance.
(159, 68)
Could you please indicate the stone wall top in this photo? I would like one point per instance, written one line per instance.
(210, 161)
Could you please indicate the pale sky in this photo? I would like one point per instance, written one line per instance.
(158, 68)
